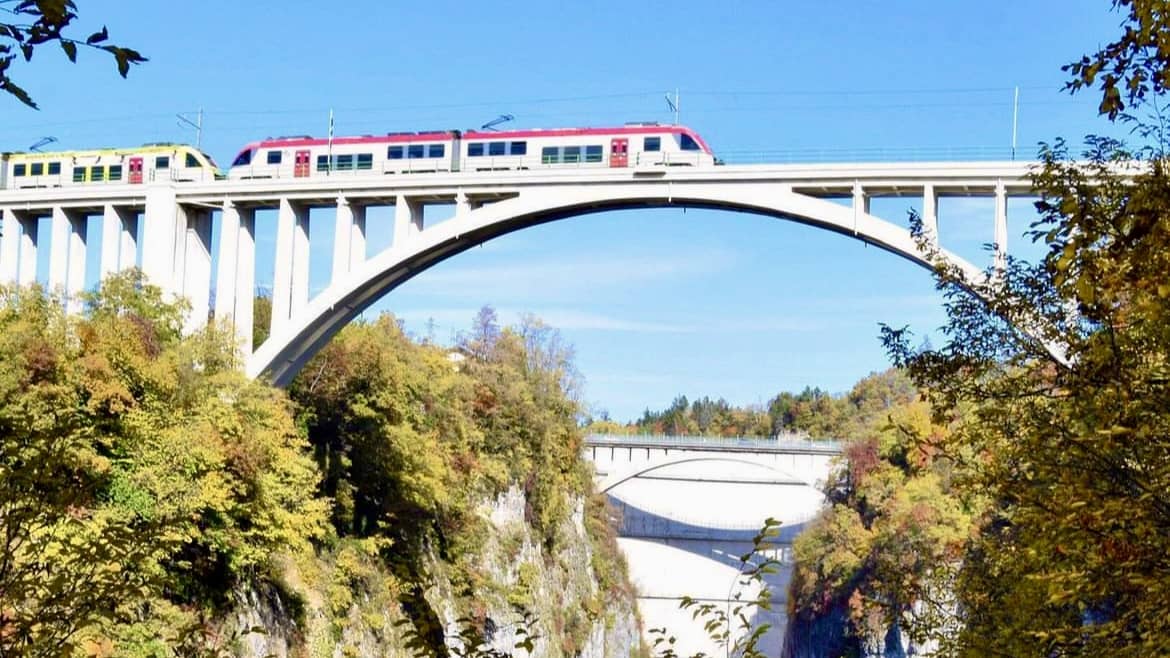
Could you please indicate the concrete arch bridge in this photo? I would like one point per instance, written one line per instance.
(176, 225)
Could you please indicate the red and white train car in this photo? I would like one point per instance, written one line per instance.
(642, 145)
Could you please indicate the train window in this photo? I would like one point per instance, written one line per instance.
(18, 170)
(572, 154)
(191, 161)
(36, 169)
(550, 155)
(162, 162)
(97, 173)
(475, 149)
(415, 151)
(593, 153)
(274, 157)
(54, 169)
(497, 148)
(652, 144)
(688, 143)
(365, 161)
(244, 158)
(394, 153)
(115, 172)
(79, 174)
(343, 162)
(518, 148)
(436, 150)
(322, 163)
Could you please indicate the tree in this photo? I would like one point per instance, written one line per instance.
(1134, 67)
(36, 23)
(1072, 553)
(142, 475)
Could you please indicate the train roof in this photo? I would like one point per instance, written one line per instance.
(430, 136)
(130, 150)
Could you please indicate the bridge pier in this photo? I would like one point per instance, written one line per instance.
(235, 278)
(349, 238)
(194, 264)
(18, 247)
(408, 220)
(119, 241)
(930, 214)
(1001, 231)
(290, 280)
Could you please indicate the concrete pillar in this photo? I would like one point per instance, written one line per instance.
(159, 236)
(462, 205)
(342, 233)
(408, 220)
(236, 272)
(197, 267)
(10, 234)
(59, 229)
(75, 278)
(930, 214)
(1001, 230)
(29, 238)
(357, 238)
(128, 240)
(290, 285)
(349, 238)
(226, 262)
(860, 205)
(112, 228)
(243, 311)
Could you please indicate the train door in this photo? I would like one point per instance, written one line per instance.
(619, 155)
(301, 166)
(135, 167)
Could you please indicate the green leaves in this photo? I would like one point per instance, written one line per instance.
(45, 21)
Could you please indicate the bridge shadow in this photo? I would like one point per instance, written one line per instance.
(716, 542)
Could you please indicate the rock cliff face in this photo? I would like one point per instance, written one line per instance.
(348, 605)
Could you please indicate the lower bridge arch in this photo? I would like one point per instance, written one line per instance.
(295, 342)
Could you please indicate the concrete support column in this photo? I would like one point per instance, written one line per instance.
(408, 220)
(10, 247)
(29, 238)
(290, 289)
(930, 214)
(300, 271)
(860, 205)
(159, 235)
(197, 266)
(59, 230)
(349, 238)
(236, 272)
(1001, 230)
(245, 279)
(357, 238)
(226, 260)
(112, 228)
(462, 205)
(75, 278)
(128, 240)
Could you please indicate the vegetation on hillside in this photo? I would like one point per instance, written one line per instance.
(812, 412)
(145, 482)
(1030, 515)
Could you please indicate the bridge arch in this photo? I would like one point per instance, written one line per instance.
(613, 480)
(292, 345)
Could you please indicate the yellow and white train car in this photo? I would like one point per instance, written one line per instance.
(130, 166)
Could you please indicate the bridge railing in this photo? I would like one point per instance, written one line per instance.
(771, 444)
(875, 154)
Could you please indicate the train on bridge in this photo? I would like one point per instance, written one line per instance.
(634, 145)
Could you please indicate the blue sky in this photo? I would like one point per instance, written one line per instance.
(657, 302)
